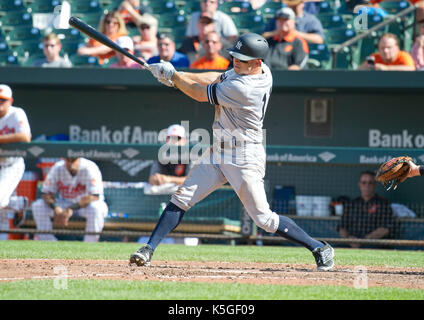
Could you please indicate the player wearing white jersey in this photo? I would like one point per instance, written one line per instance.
(14, 127)
(78, 184)
(240, 97)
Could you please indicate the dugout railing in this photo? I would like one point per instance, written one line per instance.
(294, 175)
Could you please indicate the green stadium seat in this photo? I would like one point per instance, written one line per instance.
(91, 18)
(28, 48)
(319, 57)
(23, 33)
(162, 7)
(84, 61)
(326, 7)
(70, 47)
(331, 21)
(235, 7)
(346, 58)
(110, 5)
(269, 9)
(14, 19)
(85, 6)
(8, 59)
(394, 7)
(189, 7)
(12, 5)
(172, 20)
(29, 61)
(108, 62)
(42, 6)
(248, 22)
(70, 34)
(339, 35)
(4, 46)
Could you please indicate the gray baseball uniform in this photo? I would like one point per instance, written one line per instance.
(237, 155)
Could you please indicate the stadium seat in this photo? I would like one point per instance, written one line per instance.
(268, 10)
(394, 7)
(319, 57)
(235, 7)
(172, 20)
(70, 34)
(22, 33)
(348, 57)
(331, 21)
(84, 61)
(12, 5)
(325, 7)
(110, 5)
(8, 59)
(189, 7)
(70, 47)
(159, 7)
(108, 62)
(3, 46)
(42, 6)
(30, 60)
(14, 19)
(91, 18)
(248, 22)
(29, 48)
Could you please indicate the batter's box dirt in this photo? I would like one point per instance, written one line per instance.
(254, 273)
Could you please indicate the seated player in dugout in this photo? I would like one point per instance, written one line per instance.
(369, 216)
(171, 173)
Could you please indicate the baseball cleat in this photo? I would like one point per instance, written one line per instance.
(324, 257)
(143, 256)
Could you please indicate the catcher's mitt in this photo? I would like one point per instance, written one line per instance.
(61, 219)
(393, 172)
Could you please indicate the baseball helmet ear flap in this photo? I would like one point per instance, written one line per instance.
(249, 46)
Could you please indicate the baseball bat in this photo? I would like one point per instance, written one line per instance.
(98, 36)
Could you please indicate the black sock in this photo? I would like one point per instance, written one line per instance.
(168, 221)
(288, 229)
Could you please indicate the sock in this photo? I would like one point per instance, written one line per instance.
(168, 221)
(288, 229)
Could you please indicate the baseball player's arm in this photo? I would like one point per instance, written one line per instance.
(204, 78)
(84, 201)
(192, 88)
(15, 137)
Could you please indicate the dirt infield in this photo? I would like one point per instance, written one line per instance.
(254, 273)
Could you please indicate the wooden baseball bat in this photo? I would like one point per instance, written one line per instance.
(98, 36)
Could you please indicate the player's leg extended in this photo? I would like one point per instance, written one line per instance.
(43, 214)
(202, 179)
(94, 215)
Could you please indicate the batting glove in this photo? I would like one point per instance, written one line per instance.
(163, 70)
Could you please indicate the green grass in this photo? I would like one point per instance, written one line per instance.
(116, 289)
(278, 254)
(155, 290)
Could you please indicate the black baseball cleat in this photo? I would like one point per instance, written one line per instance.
(324, 257)
(143, 256)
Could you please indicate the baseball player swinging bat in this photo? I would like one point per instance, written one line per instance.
(98, 36)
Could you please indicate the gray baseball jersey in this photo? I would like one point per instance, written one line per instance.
(240, 104)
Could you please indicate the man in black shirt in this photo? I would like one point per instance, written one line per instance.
(367, 217)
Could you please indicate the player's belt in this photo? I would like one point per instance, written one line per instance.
(235, 144)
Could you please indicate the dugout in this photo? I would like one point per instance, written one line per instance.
(323, 128)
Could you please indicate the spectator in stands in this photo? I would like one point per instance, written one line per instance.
(367, 217)
(112, 26)
(308, 26)
(51, 50)
(389, 56)
(126, 43)
(146, 44)
(132, 11)
(73, 187)
(417, 51)
(193, 48)
(175, 174)
(212, 59)
(286, 49)
(224, 25)
(167, 52)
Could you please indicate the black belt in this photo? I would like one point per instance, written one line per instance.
(235, 144)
